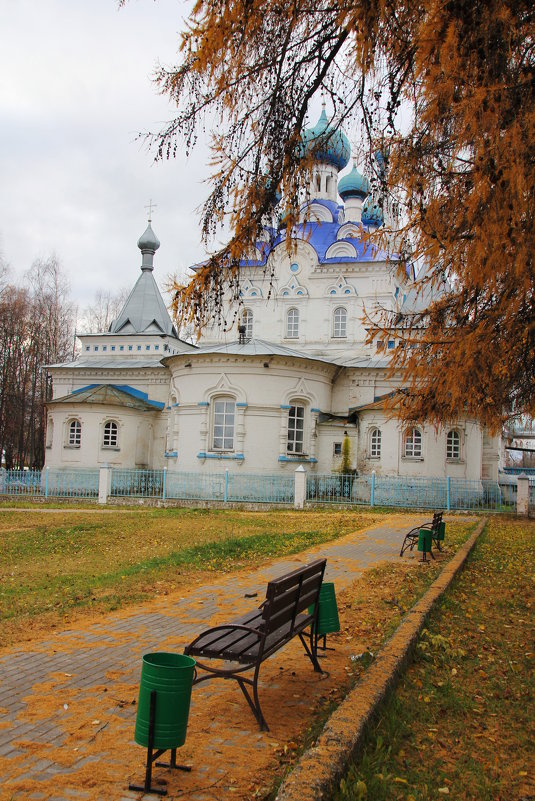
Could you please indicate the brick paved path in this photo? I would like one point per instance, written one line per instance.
(50, 689)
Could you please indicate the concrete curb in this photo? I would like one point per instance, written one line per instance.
(317, 774)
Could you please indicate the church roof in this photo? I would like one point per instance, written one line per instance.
(377, 403)
(112, 395)
(422, 293)
(254, 347)
(110, 364)
(144, 311)
(320, 236)
(365, 362)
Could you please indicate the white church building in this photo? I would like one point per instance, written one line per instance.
(287, 388)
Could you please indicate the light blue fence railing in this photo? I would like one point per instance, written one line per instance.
(137, 483)
(69, 483)
(332, 488)
(225, 487)
(259, 489)
(20, 482)
(49, 483)
(403, 491)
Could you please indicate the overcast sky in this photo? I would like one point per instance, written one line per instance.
(75, 89)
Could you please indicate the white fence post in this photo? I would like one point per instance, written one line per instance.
(522, 495)
(2, 479)
(104, 484)
(300, 493)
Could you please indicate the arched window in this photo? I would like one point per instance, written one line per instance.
(223, 413)
(453, 445)
(292, 323)
(247, 319)
(75, 433)
(111, 434)
(296, 428)
(375, 443)
(413, 443)
(340, 322)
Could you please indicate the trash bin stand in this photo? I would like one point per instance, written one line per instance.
(153, 755)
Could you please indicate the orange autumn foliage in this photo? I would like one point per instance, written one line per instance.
(445, 91)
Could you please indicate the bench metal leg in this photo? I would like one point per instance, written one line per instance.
(254, 704)
(311, 652)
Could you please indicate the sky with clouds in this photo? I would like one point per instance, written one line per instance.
(75, 90)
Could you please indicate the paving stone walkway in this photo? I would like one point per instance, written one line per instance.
(50, 689)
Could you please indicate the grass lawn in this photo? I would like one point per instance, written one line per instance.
(462, 722)
(54, 564)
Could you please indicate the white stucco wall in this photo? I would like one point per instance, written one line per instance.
(140, 436)
(262, 395)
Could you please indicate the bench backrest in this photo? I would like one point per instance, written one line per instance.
(289, 595)
(437, 520)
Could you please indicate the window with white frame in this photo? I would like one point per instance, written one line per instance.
(292, 323)
(375, 443)
(340, 322)
(296, 428)
(74, 438)
(247, 322)
(413, 443)
(223, 411)
(111, 434)
(453, 445)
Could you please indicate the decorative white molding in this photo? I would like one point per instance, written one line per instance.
(341, 289)
(341, 249)
(250, 291)
(293, 289)
(349, 230)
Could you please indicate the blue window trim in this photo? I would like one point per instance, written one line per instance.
(242, 405)
(203, 403)
(236, 457)
(315, 410)
(310, 459)
(285, 406)
(171, 454)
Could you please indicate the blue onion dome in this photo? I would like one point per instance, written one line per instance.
(148, 240)
(353, 185)
(327, 144)
(372, 213)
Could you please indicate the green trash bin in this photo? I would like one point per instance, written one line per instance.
(441, 532)
(425, 542)
(328, 620)
(171, 676)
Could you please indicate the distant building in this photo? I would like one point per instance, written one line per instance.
(284, 389)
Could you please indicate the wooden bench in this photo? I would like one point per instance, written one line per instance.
(243, 644)
(411, 539)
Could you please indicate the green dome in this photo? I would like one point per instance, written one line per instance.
(372, 213)
(326, 144)
(353, 185)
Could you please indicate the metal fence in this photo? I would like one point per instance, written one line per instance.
(50, 483)
(412, 492)
(137, 483)
(227, 486)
